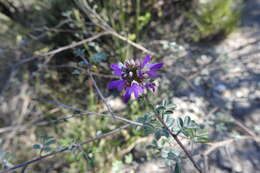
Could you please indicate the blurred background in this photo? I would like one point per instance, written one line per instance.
(211, 53)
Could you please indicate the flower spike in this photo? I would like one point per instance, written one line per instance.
(135, 77)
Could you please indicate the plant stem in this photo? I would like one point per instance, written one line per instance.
(25, 164)
(175, 137)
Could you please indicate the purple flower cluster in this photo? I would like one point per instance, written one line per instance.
(134, 77)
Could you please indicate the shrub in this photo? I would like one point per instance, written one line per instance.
(215, 18)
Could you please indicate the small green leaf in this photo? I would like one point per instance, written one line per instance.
(76, 72)
(140, 119)
(47, 149)
(49, 141)
(168, 120)
(187, 121)
(202, 140)
(164, 155)
(202, 133)
(172, 156)
(177, 168)
(180, 123)
(159, 133)
(146, 119)
(65, 142)
(168, 112)
(159, 108)
(171, 106)
(98, 57)
(82, 63)
(188, 132)
(164, 152)
(128, 158)
(148, 130)
(79, 52)
(164, 102)
(165, 133)
(193, 125)
(36, 146)
(132, 37)
(78, 156)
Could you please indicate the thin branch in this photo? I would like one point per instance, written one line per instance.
(243, 127)
(73, 45)
(175, 137)
(101, 95)
(98, 90)
(61, 49)
(24, 127)
(25, 164)
(79, 68)
(90, 113)
(216, 145)
(51, 53)
(83, 113)
(97, 20)
(138, 46)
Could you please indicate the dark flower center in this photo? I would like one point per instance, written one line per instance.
(132, 73)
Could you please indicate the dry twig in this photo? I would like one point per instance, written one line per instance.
(216, 145)
(97, 20)
(82, 113)
(25, 164)
(175, 137)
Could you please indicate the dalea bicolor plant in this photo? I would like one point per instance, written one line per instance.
(135, 77)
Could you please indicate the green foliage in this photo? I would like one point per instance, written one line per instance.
(128, 158)
(5, 159)
(46, 143)
(182, 126)
(98, 57)
(129, 18)
(79, 53)
(117, 167)
(218, 17)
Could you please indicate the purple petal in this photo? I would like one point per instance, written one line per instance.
(147, 59)
(119, 84)
(139, 74)
(137, 89)
(117, 69)
(152, 74)
(151, 86)
(156, 66)
(127, 95)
